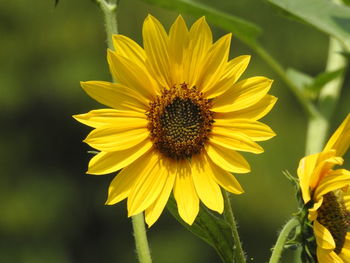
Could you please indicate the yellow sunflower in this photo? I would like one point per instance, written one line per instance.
(178, 117)
(327, 191)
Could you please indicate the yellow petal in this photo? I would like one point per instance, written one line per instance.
(108, 162)
(345, 252)
(313, 211)
(325, 161)
(128, 48)
(225, 179)
(334, 180)
(178, 45)
(153, 212)
(254, 112)
(215, 63)
(115, 95)
(242, 94)
(147, 187)
(227, 159)
(200, 41)
(113, 138)
(305, 171)
(340, 140)
(257, 131)
(121, 185)
(104, 117)
(324, 238)
(132, 75)
(156, 45)
(327, 256)
(234, 140)
(233, 70)
(185, 194)
(346, 198)
(207, 189)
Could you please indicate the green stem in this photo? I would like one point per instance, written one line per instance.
(142, 248)
(318, 125)
(109, 10)
(282, 238)
(317, 128)
(228, 214)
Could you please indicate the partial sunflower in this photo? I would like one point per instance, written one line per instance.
(178, 118)
(326, 191)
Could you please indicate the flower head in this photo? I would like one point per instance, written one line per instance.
(326, 191)
(178, 118)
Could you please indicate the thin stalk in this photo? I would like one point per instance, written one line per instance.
(317, 129)
(228, 214)
(109, 9)
(142, 247)
(282, 239)
(318, 125)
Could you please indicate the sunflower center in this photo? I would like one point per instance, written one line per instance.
(180, 121)
(333, 215)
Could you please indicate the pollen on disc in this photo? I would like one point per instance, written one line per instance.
(180, 121)
(334, 216)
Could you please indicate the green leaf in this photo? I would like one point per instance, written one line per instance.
(346, 2)
(312, 86)
(346, 55)
(300, 79)
(322, 79)
(212, 229)
(245, 31)
(56, 2)
(331, 18)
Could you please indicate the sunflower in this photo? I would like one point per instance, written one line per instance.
(327, 193)
(178, 117)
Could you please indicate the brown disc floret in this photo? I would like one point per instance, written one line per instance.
(180, 121)
(334, 216)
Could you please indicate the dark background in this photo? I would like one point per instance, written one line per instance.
(50, 211)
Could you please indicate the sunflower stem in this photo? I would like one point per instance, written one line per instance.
(329, 95)
(141, 242)
(228, 214)
(282, 239)
(109, 9)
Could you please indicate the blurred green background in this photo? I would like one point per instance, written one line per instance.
(50, 211)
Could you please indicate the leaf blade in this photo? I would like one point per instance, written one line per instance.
(212, 229)
(328, 17)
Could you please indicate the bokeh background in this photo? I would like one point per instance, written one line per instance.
(50, 211)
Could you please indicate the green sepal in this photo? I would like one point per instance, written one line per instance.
(294, 180)
(93, 152)
(211, 228)
(303, 236)
(308, 241)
